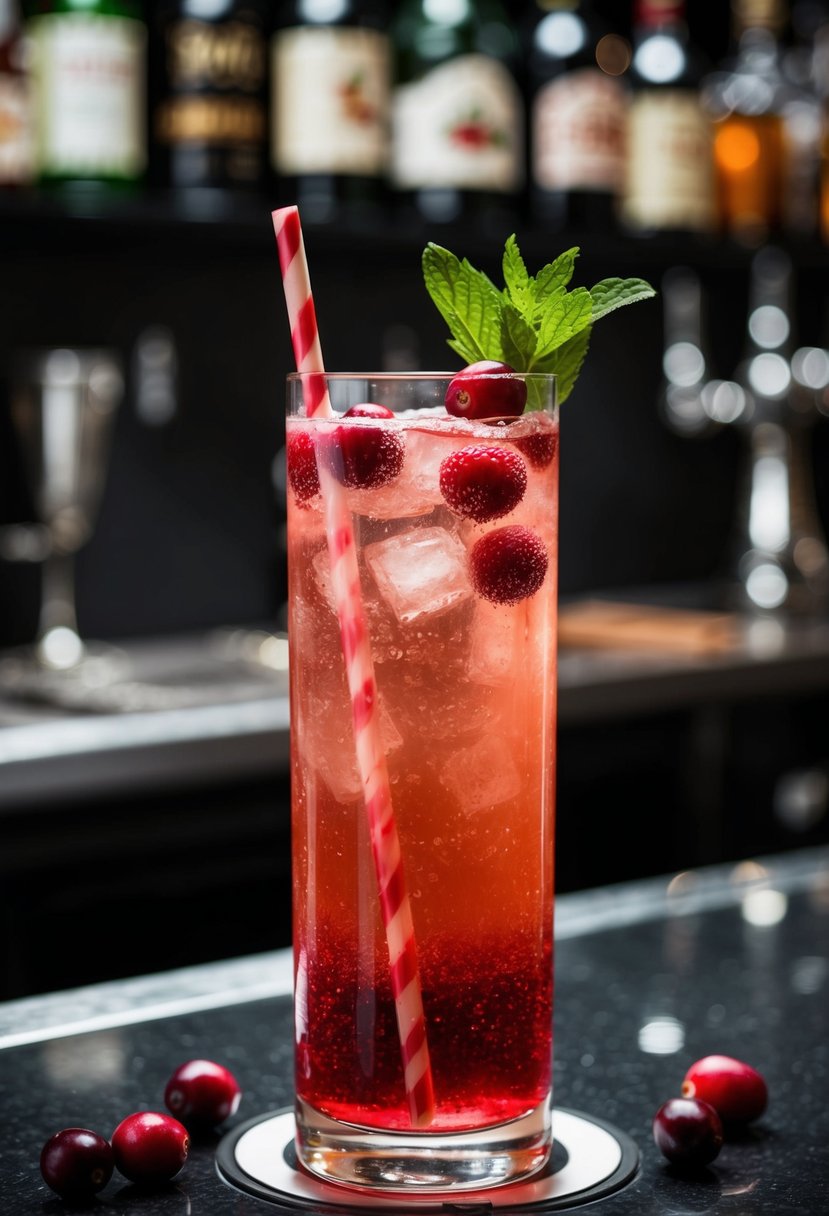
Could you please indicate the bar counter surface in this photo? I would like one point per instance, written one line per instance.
(650, 976)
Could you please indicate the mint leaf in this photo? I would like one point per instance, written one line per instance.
(518, 338)
(552, 279)
(614, 293)
(567, 314)
(535, 324)
(520, 287)
(565, 363)
(468, 301)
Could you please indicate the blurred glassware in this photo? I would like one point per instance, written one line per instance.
(685, 363)
(63, 407)
(775, 397)
(782, 558)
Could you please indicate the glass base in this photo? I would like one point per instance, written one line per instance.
(449, 1161)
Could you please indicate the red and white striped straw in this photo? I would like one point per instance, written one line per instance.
(356, 644)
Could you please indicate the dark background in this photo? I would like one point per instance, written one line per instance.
(190, 537)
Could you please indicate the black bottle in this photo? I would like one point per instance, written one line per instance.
(209, 94)
(330, 96)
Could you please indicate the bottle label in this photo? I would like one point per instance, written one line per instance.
(579, 132)
(220, 55)
(15, 131)
(670, 164)
(459, 127)
(88, 74)
(330, 101)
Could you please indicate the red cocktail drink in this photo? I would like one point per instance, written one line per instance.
(455, 527)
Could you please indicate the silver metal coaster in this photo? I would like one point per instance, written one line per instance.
(591, 1159)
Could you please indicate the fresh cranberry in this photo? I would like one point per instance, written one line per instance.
(150, 1148)
(688, 1132)
(76, 1163)
(736, 1090)
(483, 483)
(364, 457)
(368, 409)
(539, 448)
(301, 460)
(202, 1092)
(508, 565)
(486, 390)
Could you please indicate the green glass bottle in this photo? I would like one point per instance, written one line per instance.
(457, 118)
(88, 70)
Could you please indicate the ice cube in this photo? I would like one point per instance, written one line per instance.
(420, 573)
(415, 491)
(326, 744)
(496, 643)
(483, 775)
(322, 577)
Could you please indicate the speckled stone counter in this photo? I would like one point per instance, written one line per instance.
(649, 977)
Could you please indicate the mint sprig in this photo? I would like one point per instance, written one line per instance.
(536, 323)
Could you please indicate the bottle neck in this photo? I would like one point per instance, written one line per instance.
(652, 15)
(8, 20)
(755, 16)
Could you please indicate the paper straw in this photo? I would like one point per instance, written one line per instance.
(356, 645)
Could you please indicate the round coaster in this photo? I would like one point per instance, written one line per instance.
(591, 1159)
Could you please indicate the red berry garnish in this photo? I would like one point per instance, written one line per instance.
(483, 483)
(301, 460)
(150, 1148)
(364, 457)
(508, 565)
(539, 448)
(688, 1132)
(202, 1092)
(486, 390)
(76, 1163)
(736, 1090)
(368, 409)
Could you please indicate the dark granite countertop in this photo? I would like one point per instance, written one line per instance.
(649, 976)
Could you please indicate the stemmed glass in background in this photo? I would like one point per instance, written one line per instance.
(64, 404)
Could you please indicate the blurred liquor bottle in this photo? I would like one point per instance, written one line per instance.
(88, 73)
(746, 102)
(15, 108)
(457, 116)
(802, 119)
(330, 98)
(669, 181)
(821, 82)
(577, 108)
(209, 93)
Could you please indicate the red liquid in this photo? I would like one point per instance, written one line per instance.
(467, 716)
(489, 1037)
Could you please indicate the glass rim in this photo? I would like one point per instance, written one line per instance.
(293, 377)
